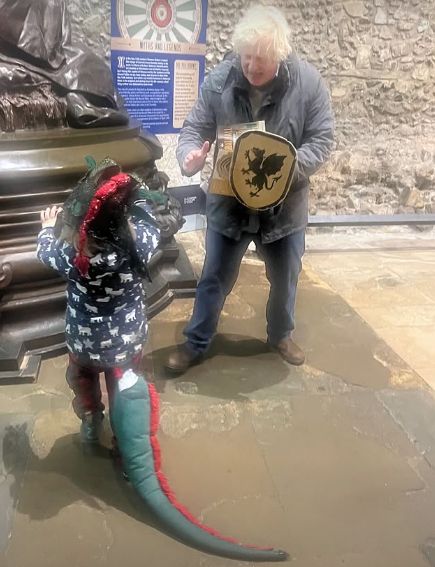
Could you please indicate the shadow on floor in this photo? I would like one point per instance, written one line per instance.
(234, 367)
(69, 474)
(337, 341)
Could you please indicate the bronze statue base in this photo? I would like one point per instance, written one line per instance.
(37, 169)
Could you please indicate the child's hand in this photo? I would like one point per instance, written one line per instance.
(49, 216)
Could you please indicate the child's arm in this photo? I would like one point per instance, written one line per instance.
(145, 233)
(49, 250)
(147, 239)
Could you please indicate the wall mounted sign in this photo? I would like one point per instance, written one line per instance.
(158, 58)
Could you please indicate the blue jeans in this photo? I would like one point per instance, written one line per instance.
(221, 268)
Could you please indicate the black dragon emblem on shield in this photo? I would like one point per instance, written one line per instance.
(265, 170)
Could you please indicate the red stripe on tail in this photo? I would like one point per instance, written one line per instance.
(163, 481)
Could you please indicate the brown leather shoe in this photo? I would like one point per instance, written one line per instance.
(181, 359)
(290, 351)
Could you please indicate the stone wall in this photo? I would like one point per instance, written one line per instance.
(378, 58)
(90, 21)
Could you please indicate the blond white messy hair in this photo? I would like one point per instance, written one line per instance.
(266, 29)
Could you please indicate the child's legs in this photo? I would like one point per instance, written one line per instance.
(85, 383)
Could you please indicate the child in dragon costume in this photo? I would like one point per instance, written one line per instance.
(103, 250)
(105, 236)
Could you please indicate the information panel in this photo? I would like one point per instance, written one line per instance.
(158, 58)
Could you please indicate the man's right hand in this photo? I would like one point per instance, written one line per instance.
(195, 160)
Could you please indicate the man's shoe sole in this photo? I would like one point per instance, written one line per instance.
(293, 362)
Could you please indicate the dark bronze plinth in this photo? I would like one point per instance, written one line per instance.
(36, 170)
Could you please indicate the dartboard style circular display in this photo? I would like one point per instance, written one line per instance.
(177, 21)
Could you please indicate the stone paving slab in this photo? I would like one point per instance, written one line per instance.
(414, 411)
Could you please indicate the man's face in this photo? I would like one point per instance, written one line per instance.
(258, 69)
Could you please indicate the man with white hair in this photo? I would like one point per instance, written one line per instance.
(261, 80)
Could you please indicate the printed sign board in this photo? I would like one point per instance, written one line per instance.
(158, 59)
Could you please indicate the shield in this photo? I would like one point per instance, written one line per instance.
(262, 169)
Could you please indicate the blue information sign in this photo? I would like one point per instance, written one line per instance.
(158, 58)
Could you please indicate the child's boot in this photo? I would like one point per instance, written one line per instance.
(91, 427)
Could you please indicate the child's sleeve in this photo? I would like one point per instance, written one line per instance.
(52, 253)
(147, 232)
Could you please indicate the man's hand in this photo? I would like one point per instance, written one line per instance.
(195, 159)
(49, 216)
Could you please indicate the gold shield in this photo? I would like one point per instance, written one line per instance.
(261, 169)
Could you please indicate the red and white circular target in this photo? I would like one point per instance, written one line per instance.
(161, 13)
(176, 21)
